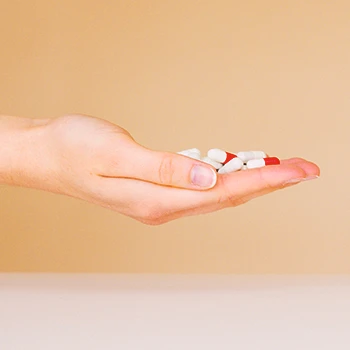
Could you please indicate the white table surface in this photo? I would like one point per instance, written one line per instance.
(92, 311)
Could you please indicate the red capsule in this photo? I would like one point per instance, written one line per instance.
(272, 161)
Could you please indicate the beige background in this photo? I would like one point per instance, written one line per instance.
(271, 75)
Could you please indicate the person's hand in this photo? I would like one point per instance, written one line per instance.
(99, 162)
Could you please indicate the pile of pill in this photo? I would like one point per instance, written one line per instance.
(225, 162)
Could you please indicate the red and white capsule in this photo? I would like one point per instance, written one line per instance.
(220, 156)
(233, 165)
(259, 163)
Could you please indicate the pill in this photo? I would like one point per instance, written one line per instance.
(233, 165)
(183, 153)
(258, 163)
(190, 150)
(194, 153)
(220, 156)
(213, 163)
(195, 150)
(245, 156)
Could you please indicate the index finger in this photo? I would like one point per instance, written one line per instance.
(236, 188)
(269, 177)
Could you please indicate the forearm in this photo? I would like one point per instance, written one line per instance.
(24, 159)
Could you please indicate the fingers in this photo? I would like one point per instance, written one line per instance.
(311, 169)
(256, 180)
(238, 188)
(145, 201)
(152, 202)
(163, 168)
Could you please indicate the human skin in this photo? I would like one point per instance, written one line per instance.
(96, 161)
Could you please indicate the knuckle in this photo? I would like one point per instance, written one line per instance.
(262, 179)
(229, 197)
(235, 201)
(226, 198)
(297, 159)
(166, 170)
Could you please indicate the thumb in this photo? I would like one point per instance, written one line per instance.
(164, 168)
(180, 171)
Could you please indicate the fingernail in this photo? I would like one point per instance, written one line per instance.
(295, 181)
(313, 177)
(204, 177)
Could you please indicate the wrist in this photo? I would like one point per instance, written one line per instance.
(24, 159)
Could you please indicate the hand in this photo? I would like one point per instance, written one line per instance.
(99, 162)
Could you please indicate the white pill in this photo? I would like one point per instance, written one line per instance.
(217, 154)
(196, 150)
(245, 156)
(213, 163)
(233, 165)
(183, 153)
(191, 152)
(255, 163)
(193, 155)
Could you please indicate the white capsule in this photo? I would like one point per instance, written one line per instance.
(217, 154)
(245, 156)
(183, 153)
(194, 155)
(191, 153)
(255, 163)
(233, 165)
(195, 150)
(213, 163)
